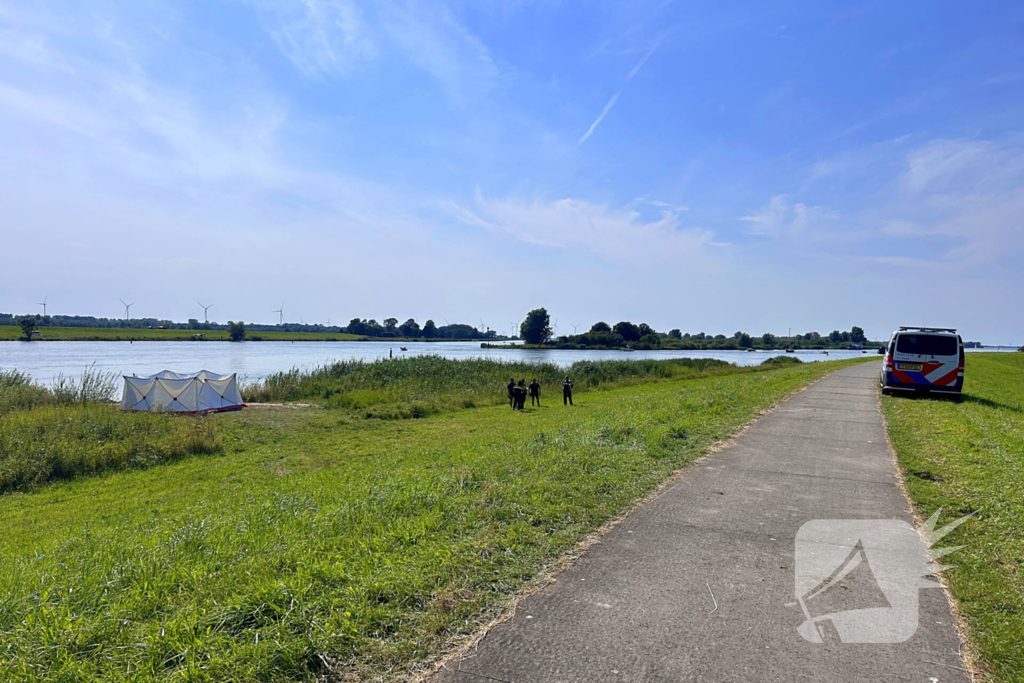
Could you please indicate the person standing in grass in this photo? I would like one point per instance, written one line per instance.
(512, 392)
(520, 394)
(567, 391)
(535, 392)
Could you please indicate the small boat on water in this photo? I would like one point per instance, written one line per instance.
(751, 350)
(402, 348)
(790, 350)
(628, 349)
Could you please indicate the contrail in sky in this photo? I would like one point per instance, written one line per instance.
(615, 97)
(604, 112)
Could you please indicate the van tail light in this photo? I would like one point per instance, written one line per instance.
(888, 362)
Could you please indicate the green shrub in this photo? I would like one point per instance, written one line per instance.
(781, 360)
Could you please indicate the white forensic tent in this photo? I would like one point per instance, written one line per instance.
(199, 392)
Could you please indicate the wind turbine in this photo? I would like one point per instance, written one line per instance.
(126, 307)
(575, 326)
(280, 313)
(43, 304)
(511, 329)
(556, 327)
(206, 317)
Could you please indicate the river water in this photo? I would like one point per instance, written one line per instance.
(253, 360)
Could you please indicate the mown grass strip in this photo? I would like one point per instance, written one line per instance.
(969, 457)
(321, 540)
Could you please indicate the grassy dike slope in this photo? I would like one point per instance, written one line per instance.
(321, 539)
(969, 457)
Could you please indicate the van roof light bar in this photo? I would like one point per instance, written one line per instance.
(951, 330)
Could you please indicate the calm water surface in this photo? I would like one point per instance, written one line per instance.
(253, 360)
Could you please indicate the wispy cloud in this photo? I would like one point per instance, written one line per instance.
(780, 218)
(617, 235)
(319, 37)
(600, 117)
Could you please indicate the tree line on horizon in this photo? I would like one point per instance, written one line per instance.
(389, 327)
(536, 329)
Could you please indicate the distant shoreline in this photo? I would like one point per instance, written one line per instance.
(128, 334)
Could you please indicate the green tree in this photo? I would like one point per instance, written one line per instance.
(236, 330)
(410, 328)
(650, 340)
(536, 329)
(28, 325)
(743, 340)
(857, 335)
(768, 339)
(645, 330)
(675, 334)
(601, 327)
(391, 326)
(835, 336)
(627, 330)
(429, 330)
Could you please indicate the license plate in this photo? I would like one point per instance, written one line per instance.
(908, 366)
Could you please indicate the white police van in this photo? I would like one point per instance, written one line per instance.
(924, 359)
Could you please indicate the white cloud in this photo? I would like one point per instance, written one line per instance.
(335, 37)
(781, 219)
(618, 236)
(940, 160)
(320, 37)
(434, 41)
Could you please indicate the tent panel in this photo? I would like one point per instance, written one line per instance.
(181, 392)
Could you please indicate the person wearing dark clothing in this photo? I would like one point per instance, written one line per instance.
(567, 391)
(511, 392)
(535, 392)
(520, 395)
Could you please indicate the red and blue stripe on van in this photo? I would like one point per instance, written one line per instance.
(936, 374)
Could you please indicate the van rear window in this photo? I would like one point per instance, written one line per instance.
(927, 344)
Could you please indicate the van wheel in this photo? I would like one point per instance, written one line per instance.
(885, 391)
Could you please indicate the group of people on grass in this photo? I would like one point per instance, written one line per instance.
(517, 392)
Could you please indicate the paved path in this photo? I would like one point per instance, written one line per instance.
(637, 606)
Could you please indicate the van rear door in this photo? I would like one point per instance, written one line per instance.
(927, 359)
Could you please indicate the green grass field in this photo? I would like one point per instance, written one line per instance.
(969, 457)
(12, 332)
(317, 539)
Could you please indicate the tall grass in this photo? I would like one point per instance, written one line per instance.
(71, 429)
(423, 385)
(63, 442)
(17, 390)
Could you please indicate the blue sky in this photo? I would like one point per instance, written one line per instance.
(706, 166)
